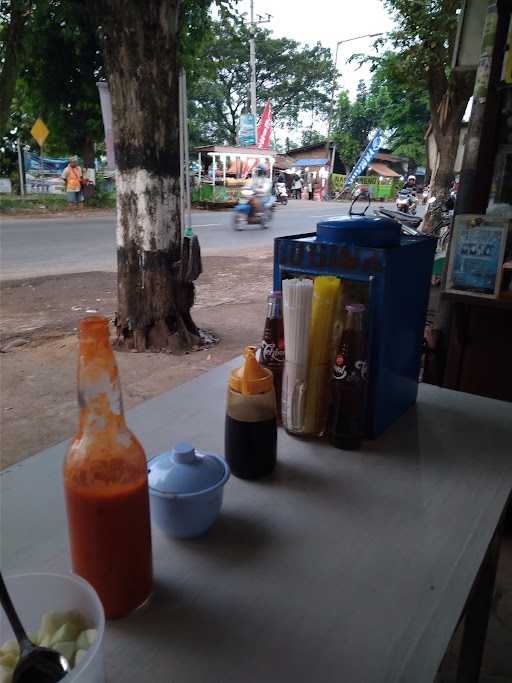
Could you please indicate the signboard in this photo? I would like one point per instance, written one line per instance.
(5, 186)
(247, 130)
(477, 254)
(39, 132)
(366, 157)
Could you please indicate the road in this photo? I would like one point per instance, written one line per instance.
(32, 247)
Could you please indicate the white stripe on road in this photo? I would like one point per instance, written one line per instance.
(206, 225)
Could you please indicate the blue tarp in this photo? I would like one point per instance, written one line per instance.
(310, 162)
(33, 163)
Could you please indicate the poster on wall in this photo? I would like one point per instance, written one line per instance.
(477, 255)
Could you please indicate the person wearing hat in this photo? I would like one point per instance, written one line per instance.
(73, 178)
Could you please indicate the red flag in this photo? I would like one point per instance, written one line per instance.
(265, 127)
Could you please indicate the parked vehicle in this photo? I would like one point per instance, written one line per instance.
(281, 193)
(406, 201)
(253, 210)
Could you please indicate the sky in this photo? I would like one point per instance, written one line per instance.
(327, 22)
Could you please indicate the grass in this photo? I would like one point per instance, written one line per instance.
(37, 203)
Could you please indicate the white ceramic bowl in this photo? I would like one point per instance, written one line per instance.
(36, 594)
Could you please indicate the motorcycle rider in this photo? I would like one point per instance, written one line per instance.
(410, 184)
(261, 185)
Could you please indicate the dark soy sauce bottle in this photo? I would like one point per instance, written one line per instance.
(251, 426)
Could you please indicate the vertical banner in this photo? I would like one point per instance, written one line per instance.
(265, 127)
(366, 157)
(106, 113)
(264, 134)
(247, 130)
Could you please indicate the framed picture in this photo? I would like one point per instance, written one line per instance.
(477, 254)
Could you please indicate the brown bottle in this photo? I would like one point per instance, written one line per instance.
(348, 383)
(105, 481)
(272, 346)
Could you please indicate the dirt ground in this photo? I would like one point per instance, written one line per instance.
(38, 322)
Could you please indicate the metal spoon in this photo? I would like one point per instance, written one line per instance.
(36, 664)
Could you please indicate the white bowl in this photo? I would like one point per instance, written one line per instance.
(36, 594)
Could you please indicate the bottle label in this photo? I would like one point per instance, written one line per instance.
(343, 371)
(271, 353)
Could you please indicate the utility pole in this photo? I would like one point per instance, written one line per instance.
(252, 53)
(333, 87)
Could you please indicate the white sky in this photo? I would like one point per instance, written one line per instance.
(327, 21)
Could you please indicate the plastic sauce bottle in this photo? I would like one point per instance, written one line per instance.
(105, 482)
(251, 426)
(348, 383)
(272, 345)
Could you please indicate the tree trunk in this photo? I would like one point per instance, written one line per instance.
(447, 110)
(9, 71)
(88, 154)
(140, 44)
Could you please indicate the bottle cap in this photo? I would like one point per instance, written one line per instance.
(251, 378)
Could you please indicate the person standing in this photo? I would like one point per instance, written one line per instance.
(73, 178)
(297, 187)
(310, 186)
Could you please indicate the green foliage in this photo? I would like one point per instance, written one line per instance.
(295, 78)
(34, 203)
(424, 36)
(311, 137)
(353, 123)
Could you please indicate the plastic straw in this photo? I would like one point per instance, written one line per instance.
(297, 299)
(325, 299)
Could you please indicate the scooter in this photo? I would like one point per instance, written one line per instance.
(253, 210)
(281, 193)
(406, 201)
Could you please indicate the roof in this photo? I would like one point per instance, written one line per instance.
(307, 148)
(226, 149)
(384, 156)
(383, 170)
(283, 162)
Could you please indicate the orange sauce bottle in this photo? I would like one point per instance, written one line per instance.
(105, 482)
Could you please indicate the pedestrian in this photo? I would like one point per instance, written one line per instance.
(73, 178)
(310, 186)
(297, 187)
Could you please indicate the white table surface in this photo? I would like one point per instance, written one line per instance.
(342, 567)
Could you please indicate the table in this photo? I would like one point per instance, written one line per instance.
(350, 567)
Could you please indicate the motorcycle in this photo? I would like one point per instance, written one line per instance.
(253, 210)
(406, 201)
(281, 193)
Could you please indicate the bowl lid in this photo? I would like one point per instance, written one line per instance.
(184, 470)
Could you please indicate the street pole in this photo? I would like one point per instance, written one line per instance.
(333, 87)
(20, 166)
(252, 55)
(252, 51)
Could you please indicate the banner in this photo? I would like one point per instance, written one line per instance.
(264, 134)
(265, 127)
(247, 130)
(33, 163)
(366, 158)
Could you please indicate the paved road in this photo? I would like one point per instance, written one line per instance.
(70, 244)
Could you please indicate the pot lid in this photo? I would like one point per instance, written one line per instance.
(359, 229)
(184, 470)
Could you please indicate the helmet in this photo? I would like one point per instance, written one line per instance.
(412, 177)
(260, 171)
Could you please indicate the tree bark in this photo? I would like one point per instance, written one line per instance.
(448, 102)
(140, 45)
(9, 72)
